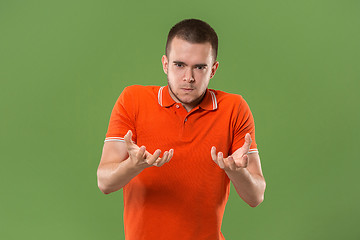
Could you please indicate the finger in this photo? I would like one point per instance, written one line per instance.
(154, 157)
(231, 163)
(165, 155)
(171, 154)
(162, 160)
(247, 143)
(213, 154)
(141, 153)
(220, 159)
(226, 163)
(246, 161)
(243, 161)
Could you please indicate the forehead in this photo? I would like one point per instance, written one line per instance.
(182, 50)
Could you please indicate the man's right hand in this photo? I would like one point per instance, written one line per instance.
(122, 161)
(141, 159)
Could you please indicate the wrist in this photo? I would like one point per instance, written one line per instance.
(238, 171)
(132, 167)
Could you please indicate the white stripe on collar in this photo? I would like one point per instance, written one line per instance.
(160, 96)
(214, 100)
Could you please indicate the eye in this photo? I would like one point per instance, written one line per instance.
(178, 65)
(200, 67)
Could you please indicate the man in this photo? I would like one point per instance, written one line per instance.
(207, 138)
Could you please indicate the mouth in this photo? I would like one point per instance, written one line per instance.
(187, 89)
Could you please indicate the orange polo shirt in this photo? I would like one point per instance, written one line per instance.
(186, 197)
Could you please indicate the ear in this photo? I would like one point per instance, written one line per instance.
(214, 68)
(165, 63)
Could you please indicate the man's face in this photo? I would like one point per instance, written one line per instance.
(189, 68)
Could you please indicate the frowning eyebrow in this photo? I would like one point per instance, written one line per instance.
(196, 65)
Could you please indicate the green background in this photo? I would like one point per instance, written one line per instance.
(64, 63)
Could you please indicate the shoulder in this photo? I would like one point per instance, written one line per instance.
(139, 91)
(133, 92)
(228, 99)
(134, 96)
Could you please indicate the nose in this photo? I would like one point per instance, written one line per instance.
(189, 76)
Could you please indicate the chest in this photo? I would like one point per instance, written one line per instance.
(191, 135)
(187, 132)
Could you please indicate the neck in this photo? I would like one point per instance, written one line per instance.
(187, 106)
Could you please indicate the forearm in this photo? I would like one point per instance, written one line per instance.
(249, 187)
(114, 176)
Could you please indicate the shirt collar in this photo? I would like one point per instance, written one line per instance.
(209, 101)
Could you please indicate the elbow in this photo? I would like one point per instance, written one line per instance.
(259, 199)
(101, 182)
(103, 188)
(107, 188)
(257, 202)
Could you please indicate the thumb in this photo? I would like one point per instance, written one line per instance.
(128, 138)
(247, 143)
(245, 161)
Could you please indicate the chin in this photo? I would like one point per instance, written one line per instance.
(186, 98)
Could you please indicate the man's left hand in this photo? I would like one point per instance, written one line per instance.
(238, 160)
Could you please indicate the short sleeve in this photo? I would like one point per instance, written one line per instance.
(244, 123)
(122, 117)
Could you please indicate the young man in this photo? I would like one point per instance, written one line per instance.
(207, 138)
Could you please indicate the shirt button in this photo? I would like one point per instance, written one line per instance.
(185, 119)
(177, 106)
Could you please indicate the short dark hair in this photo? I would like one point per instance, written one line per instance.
(194, 31)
